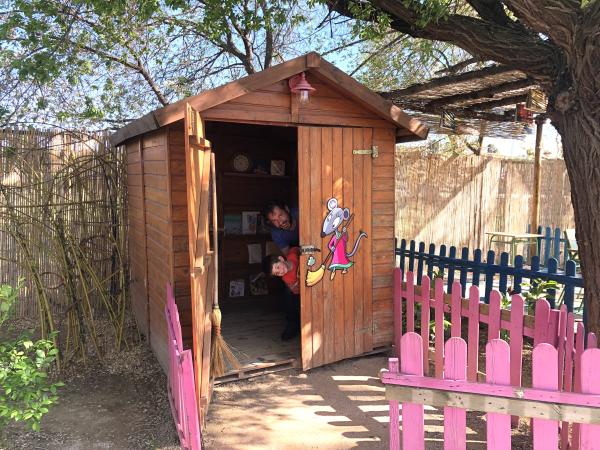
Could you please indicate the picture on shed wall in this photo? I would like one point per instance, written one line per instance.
(336, 225)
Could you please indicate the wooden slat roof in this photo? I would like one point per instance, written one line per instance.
(489, 94)
(410, 129)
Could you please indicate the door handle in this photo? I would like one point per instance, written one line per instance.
(308, 249)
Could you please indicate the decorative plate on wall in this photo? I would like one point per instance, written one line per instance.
(241, 162)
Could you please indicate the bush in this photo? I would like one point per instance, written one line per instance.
(26, 393)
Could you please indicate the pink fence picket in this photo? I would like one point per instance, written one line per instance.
(498, 372)
(545, 376)
(181, 388)
(590, 362)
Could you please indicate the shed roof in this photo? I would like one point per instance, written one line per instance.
(410, 129)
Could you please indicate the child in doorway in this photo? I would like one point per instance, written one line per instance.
(287, 268)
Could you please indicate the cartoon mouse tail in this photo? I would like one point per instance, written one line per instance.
(361, 235)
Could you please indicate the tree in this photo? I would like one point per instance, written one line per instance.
(87, 62)
(556, 43)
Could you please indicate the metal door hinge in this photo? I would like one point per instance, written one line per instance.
(308, 249)
(374, 152)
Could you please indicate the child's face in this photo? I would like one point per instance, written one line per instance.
(280, 268)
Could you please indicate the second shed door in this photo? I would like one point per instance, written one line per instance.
(336, 314)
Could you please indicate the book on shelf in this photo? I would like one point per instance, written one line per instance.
(254, 253)
(236, 288)
(249, 222)
(232, 224)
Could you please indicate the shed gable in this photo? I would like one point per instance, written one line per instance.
(274, 104)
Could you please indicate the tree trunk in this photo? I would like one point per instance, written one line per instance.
(579, 128)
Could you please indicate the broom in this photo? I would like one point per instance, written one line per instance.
(314, 276)
(221, 355)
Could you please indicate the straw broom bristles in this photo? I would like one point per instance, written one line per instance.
(221, 356)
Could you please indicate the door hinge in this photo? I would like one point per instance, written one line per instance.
(308, 249)
(374, 152)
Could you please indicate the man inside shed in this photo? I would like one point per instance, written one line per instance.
(284, 233)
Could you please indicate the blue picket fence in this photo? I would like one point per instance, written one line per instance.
(551, 245)
(478, 271)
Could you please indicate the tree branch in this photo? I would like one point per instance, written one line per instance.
(507, 45)
(554, 18)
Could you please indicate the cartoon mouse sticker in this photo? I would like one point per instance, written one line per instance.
(336, 224)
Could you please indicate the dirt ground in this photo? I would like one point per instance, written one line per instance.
(122, 404)
(119, 404)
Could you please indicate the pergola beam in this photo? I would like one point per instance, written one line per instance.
(446, 81)
(482, 93)
(506, 101)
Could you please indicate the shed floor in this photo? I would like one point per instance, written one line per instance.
(253, 331)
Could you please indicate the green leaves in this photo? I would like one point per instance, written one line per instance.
(25, 392)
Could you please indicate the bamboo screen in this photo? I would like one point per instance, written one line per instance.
(454, 200)
(62, 216)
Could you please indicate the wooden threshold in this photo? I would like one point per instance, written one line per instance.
(257, 369)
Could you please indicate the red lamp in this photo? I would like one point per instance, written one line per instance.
(299, 85)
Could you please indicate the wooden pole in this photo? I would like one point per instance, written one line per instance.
(537, 167)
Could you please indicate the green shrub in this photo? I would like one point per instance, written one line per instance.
(26, 393)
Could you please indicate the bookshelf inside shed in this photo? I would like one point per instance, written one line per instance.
(248, 192)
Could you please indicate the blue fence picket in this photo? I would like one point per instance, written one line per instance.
(402, 252)
(503, 272)
(430, 261)
(552, 269)
(451, 255)
(569, 292)
(547, 244)
(476, 268)
(411, 257)
(489, 275)
(518, 278)
(464, 257)
(441, 265)
(556, 245)
(420, 263)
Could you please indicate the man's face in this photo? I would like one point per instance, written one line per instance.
(280, 268)
(280, 218)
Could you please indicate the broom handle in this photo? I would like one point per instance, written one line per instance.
(213, 175)
(336, 244)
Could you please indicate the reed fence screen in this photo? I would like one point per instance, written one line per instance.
(62, 227)
(454, 200)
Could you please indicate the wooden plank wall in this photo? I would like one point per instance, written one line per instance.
(158, 236)
(138, 275)
(383, 219)
(179, 239)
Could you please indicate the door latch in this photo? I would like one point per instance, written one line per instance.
(374, 152)
(308, 249)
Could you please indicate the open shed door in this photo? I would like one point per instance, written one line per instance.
(197, 159)
(336, 314)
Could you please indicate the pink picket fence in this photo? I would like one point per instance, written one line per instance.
(550, 408)
(556, 328)
(551, 326)
(181, 388)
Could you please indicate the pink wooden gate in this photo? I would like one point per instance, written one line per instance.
(543, 402)
(182, 392)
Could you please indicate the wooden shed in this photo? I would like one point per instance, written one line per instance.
(338, 146)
